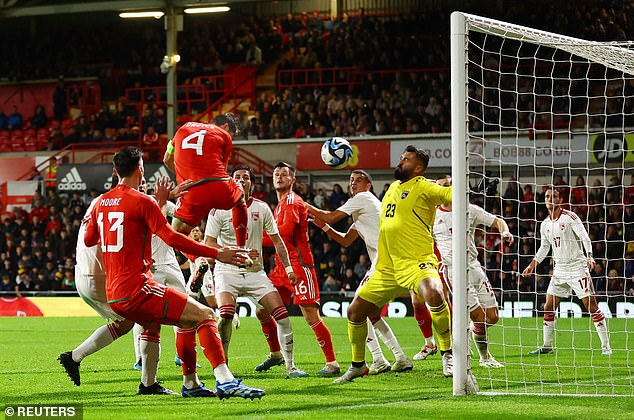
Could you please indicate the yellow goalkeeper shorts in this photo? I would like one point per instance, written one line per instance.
(390, 281)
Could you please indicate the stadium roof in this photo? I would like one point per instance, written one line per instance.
(23, 8)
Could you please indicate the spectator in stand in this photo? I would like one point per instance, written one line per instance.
(253, 54)
(362, 265)
(4, 121)
(330, 285)
(598, 278)
(350, 281)
(40, 283)
(38, 210)
(7, 287)
(151, 144)
(337, 196)
(15, 119)
(60, 104)
(382, 194)
(23, 282)
(39, 119)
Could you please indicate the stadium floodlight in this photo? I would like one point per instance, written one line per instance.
(539, 109)
(213, 9)
(156, 14)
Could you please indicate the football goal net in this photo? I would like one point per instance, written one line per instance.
(538, 117)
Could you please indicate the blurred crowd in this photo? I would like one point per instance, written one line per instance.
(413, 47)
(38, 251)
(607, 213)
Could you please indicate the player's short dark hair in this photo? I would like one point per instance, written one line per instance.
(290, 167)
(421, 155)
(231, 120)
(126, 160)
(243, 168)
(362, 173)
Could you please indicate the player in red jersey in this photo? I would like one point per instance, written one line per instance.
(291, 217)
(123, 221)
(200, 152)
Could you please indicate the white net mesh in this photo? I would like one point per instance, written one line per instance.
(546, 109)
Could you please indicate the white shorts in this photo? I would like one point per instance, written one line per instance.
(254, 285)
(479, 291)
(577, 281)
(169, 275)
(92, 290)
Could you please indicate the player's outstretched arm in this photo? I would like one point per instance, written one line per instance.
(343, 239)
(330, 217)
(185, 243)
(503, 228)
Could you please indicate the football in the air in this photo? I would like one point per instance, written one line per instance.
(336, 152)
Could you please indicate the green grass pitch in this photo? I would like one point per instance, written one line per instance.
(30, 374)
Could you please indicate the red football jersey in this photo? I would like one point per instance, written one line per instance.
(124, 220)
(201, 151)
(292, 221)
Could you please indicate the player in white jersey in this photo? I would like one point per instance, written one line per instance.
(364, 208)
(232, 281)
(165, 267)
(482, 305)
(90, 280)
(564, 233)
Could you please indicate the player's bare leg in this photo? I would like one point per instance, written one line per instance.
(552, 303)
(180, 226)
(273, 304)
(203, 318)
(324, 339)
(600, 325)
(358, 313)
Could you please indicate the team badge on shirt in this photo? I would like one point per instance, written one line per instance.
(404, 195)
(255, 216)
(562, 226)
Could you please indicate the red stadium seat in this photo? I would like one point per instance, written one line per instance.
(42, 136)
(5, 141)
(30, 140)
(17, 141)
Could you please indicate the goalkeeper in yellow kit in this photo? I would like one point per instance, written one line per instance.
(406, 259)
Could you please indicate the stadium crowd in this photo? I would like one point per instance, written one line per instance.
(414, 101)
(37, 252)
(39, 246)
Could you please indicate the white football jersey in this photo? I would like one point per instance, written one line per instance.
(220, 226)
(162, 253)
(443, 231)
(365, 208)
(89, 259)
(567, 237)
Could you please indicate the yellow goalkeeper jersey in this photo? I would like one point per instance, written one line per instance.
(407, 217)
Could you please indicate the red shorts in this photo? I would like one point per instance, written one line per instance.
(305, 292)
(153, 303)
(195, 205)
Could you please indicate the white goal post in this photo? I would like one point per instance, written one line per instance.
(536, 108)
